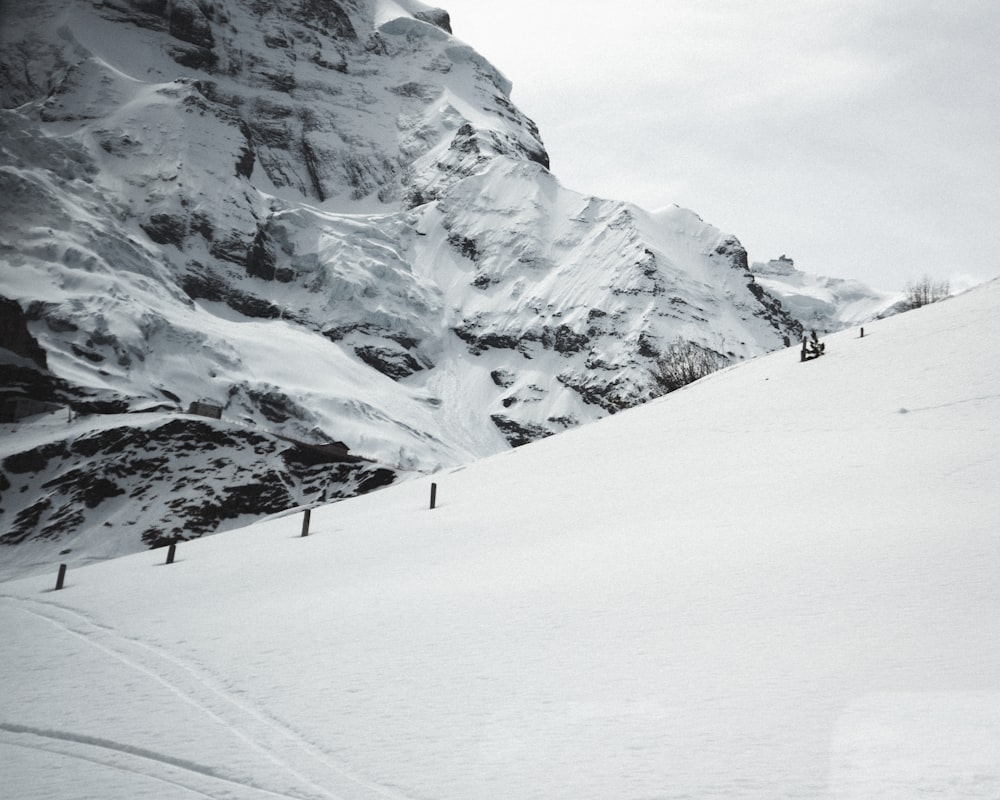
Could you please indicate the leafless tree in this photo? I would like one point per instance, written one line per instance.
(925, 291)
(684, 362)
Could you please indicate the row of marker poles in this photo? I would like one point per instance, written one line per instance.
(172, 550)
(61, 579)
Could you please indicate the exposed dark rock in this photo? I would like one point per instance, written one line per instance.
(90, 355)
(58, 324)
(502, 378)
(774, 312)
(202, 224)
(274, 406)
(245, 163)
(517, 433)
(478, 344)
(593, 391)
(338, 66)
(376, 479)
(198, 286)
(648, 280)
(87, 486)
(466, 246)
(188, 23)
(733, 251)
(100, 406)
(338, 333)
(34, 460)
(325, 16)
(169, 464)
(194, 58)
(156, 7)
(310, 455)
(281, 82)
(277, 40)
(260, 259)
(231, 247)
(403, 341)
(15, 336)
(483, 281)
(312, 162)
(565, 340)
(422, 91)
(26, 522)
(166, 229)
(465, 141)
(647, 347)
(397, 364)
(436, 16)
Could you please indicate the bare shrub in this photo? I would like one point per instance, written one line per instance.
(684, 362)
(925, 291)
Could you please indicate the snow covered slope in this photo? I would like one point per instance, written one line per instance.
(779, 581)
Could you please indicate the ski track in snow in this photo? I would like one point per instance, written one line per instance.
(118, 756)
(198, 687)
(939, 406)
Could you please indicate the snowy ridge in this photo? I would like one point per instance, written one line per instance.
(578, 618)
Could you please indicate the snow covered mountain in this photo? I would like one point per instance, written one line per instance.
(825, 304)
(327, 221)
(780, 581)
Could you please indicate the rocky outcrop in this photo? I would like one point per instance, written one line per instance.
(15, 336)
(436, 16)
(162, 480)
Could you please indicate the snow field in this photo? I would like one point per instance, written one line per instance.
(780, 581)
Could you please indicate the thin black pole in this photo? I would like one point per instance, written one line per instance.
(434, 495)
(171, 552)
(305, 522)
(62, 577)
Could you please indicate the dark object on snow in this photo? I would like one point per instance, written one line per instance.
(15, 336)
(434, 495)
(305, 522)
(203, 409)
(812, 347)
(15, 407)
(61, 578)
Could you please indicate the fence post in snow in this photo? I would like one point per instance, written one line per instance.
(434, 495)
(61, 578)
(862, 333)
(171, 552)
(305, 522)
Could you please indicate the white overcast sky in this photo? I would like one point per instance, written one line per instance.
(859, 137)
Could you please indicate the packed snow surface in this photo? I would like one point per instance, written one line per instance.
(781, 581)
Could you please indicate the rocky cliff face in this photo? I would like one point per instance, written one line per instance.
(329, 220)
